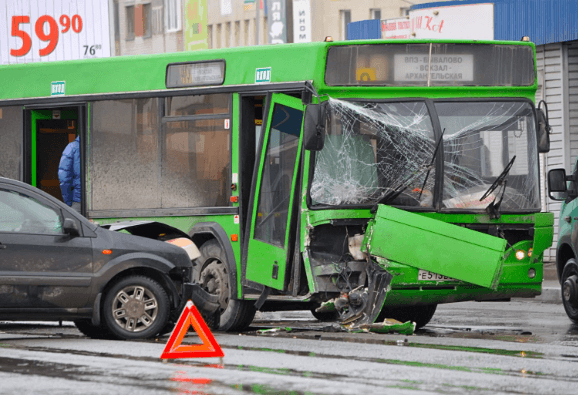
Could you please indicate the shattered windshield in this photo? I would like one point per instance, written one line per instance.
(371, 147)
(480, 140)
(373, 150)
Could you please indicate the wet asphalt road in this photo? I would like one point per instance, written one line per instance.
(519, 347)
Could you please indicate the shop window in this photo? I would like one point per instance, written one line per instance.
(173, 15)
(130, 32)
(345, 18)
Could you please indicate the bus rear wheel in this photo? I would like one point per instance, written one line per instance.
(421, 315)
(236, 315)
(570, 289)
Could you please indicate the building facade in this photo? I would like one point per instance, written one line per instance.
(235, 23)
(156, 26)
(147, 26)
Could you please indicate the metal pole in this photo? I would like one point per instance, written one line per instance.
(257, 24)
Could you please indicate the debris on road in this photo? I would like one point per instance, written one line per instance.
(274, 330)
(389, 325)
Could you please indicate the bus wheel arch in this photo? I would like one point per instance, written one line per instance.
(204, 232)
(236, 315)
(216, 271)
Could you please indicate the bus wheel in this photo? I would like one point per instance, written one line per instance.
(421, 315)
(570, 289)
(326, 316)
(236, 315)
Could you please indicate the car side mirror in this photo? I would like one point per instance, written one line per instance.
(314, 127)
(544, 128)
(557, 184)
(70, 228)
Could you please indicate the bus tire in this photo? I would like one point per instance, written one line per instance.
(326, 316)
(421, 315)
(236, 315)
(569, 282)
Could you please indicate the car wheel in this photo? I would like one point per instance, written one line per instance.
(570, 289)
(421, 315)
(327, 316)
(236, 315)
(92, 331)
(136, 307)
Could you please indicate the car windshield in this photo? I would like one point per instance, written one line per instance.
(374, 149)
(480, 140)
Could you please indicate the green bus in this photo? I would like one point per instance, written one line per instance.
(383, 177)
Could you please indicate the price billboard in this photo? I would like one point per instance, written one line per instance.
(47, 30)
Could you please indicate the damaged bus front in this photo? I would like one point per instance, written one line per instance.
(431, 192)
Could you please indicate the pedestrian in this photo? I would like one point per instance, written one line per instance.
(69, 174)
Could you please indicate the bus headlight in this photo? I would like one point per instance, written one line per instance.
(520, 254)
(531, 273)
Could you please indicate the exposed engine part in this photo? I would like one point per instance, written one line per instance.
(362, 305)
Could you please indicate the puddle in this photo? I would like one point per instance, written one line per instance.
(521, 354)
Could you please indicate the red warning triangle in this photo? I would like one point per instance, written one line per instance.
(191, 317)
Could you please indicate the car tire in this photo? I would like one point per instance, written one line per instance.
(236, 315)
(569, 285)
(421, 315)
(136, 307)
(93, 331)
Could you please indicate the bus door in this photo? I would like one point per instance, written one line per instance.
(49, 131)
(269, 243)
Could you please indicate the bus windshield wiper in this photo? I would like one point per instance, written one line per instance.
(393, 193)
(493, 208)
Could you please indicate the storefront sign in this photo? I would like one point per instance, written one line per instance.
(301, 21)
(460, 22)
(195, 25)
(277, 21)
(33, 31)
(396, 28)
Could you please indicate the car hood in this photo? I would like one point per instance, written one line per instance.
(123, 243)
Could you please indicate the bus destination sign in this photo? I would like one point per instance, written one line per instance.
(181, 75)
(449, 68)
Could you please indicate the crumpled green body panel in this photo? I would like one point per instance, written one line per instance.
(436, 246)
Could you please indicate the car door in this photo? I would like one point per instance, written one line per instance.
(40, 265)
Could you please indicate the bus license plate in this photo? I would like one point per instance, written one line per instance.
(424, 275)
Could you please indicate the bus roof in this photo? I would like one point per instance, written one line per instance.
(142, 73)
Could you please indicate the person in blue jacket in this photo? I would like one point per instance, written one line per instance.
(69, 174)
